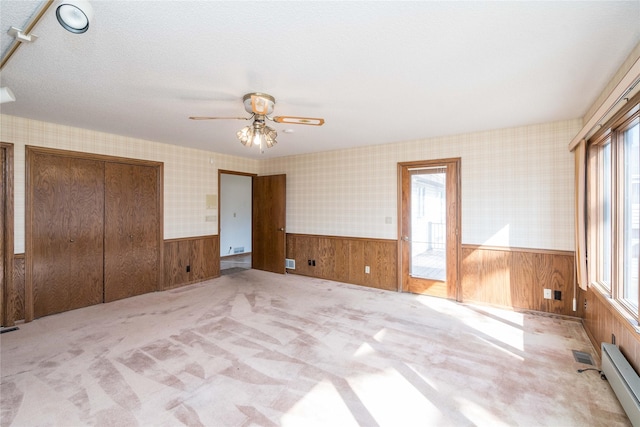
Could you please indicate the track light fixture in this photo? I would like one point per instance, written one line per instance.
(6, 95)
(74, 15)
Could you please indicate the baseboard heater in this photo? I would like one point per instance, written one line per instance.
(623, 380)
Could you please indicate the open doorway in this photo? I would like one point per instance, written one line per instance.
(235, 190)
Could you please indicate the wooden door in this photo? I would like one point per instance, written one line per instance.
(430, 227)
(66, 207)
(7, 317)
(269, 223)
(132, 236)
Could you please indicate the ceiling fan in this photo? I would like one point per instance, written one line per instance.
(260, 106)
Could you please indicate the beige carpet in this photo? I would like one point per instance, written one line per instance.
(261, 349)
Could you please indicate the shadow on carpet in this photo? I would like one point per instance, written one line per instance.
(232, 270)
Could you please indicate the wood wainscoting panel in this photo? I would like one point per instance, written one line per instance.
(200, 254)
(516, 278)
(18, 287)
(486, 276)
(384, 266)
(177, 253)
(205, 258)
(602, 321)
(356, 262)
(331, 252)
(506, 277)
(344, 259)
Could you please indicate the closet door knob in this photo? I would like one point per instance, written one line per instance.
(71, 240)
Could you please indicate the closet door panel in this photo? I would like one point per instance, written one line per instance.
(67, 233)
(131, 230)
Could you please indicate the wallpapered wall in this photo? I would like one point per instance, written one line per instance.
(189, 174)
(517, 186)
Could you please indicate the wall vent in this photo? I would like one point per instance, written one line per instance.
(290, 264)
(238, 250)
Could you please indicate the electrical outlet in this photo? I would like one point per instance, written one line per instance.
(547, 293)
(367, 269)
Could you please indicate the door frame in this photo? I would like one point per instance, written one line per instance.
(7, 292)
(453, 274)
(229, 172)
(253, 224)
(30, 151)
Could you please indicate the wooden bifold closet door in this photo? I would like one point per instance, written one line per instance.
(131, 246)
(67, 233)
(94, 230)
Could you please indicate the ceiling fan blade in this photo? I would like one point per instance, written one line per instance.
(299, 120)
(218, 118)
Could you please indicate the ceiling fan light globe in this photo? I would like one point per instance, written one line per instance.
(270, 135)
(257, 139)
(245, 135)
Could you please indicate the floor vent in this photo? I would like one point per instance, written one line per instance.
(290, 264)
(582, 357)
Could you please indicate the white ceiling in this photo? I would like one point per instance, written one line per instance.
(378, 72)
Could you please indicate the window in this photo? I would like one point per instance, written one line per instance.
(607, 212)
(613, 196)
(630, 224)
(601, 218)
